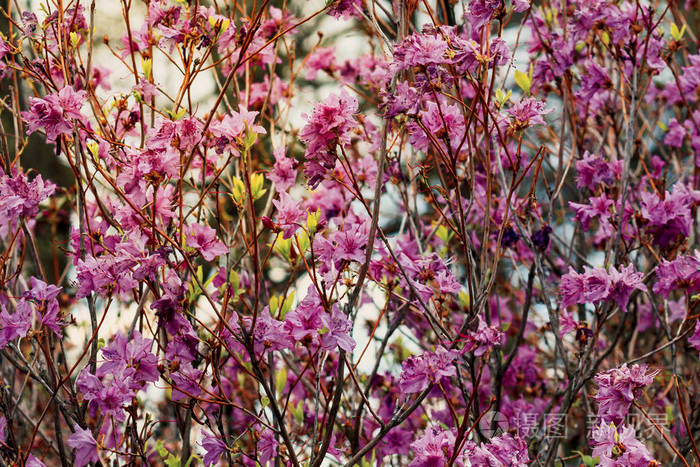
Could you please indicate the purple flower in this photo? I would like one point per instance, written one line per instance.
(186, 382)
(267, 447)
(521, 5)
(283, 174)
(214, 447)
(669, 219)
(106, 274)
(345, 9)
(337, 327)
(623, 284)
(20, 198)
(14, 325)
(330, 124)
(619, 447)
(84, 445)
(675, 134)
(404, 100)
(617, 388)
(54, 112)
(527, 112)
(420, 50)
(510, 237)
(682, 272)
(434, 448)
(396, 441)
(597, 285)
(289, 215)
(322, 59)
(446, 120)
(593, 170)
(305, 320)
(33, 461)
(110, 392)
(594, 80)
(42, 297)
(269, 333)
(134, 353)
(541, 238)
(418, 372)
(694, 340)
(350, 242)
(203, 238)
(571, 288)
(505, 450)
(481, 11)
(483, 339)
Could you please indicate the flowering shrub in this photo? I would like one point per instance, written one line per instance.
(474, 245)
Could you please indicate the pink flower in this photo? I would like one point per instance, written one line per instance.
(330, 124)
(682, 272)
(213, 447)
(434, 448)
(483, 339)
(322, 59)
(235, 124)
(20, 198)
(615, 447)
(85, 446)
(338, 328)
(345, 9)
(528, 112)
(617, 388)
(289, 215)
(203, 238)
(418, 372)
(283, 174)
(420, 50)
(597, 285)
(694, 340)
(675, 134)
(267, 447)
(54, 112)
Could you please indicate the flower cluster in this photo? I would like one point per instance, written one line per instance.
(597, 285)
(288, 240)
(618, 388)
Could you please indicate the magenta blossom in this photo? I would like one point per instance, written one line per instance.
(617, 388)
(204, 239)
(597, 285)
(54, 113)
(84, 445)
(418, 372)
(330, 124)
(214, 447)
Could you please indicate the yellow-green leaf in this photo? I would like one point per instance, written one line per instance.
(676, 33)
(522, 80)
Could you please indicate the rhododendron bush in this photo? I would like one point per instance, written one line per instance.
(366, 232)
